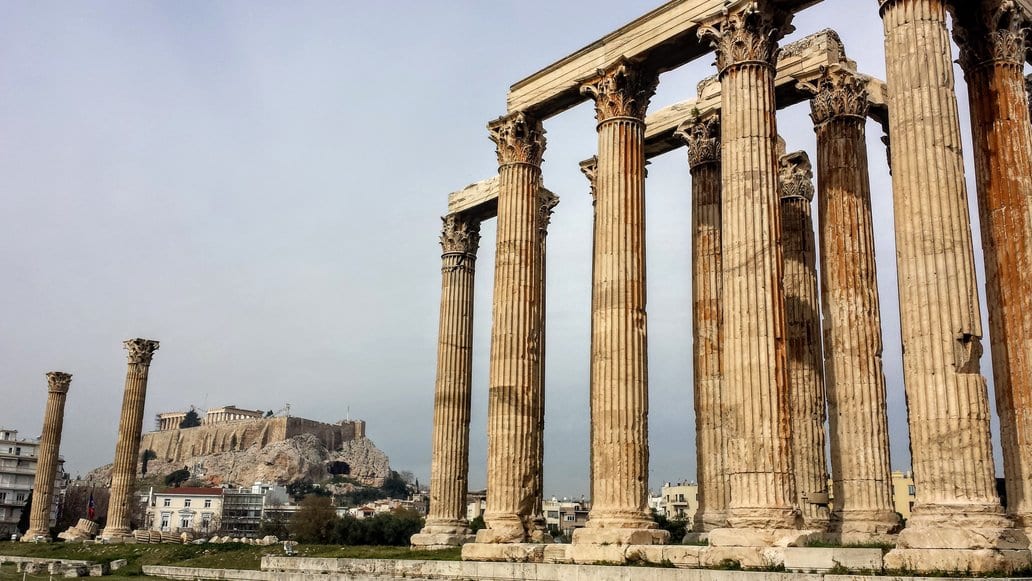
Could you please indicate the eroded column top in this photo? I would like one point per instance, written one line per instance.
(748, 35)
(622, 90)
(141, 351)
(989, 32)
(837, 93)
(58, 381)
(702, 136)
(795, 176)
(518, 138)
(460, 234)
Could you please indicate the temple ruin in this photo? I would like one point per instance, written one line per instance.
(766, 370)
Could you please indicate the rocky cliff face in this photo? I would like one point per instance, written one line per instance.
(302, 457)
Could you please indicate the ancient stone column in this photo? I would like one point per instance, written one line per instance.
(47, 457)
(702, 137)
(619, 361)
(991, 35)
(449, 469)
(754, 381)
(854, 379)
(957, 506)
(123, 471)
(803, 329)
(588, 168)
(547, 201)
(516, 395)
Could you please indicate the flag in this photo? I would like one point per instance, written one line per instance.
(91, 507)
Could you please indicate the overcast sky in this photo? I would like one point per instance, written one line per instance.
(258, 185)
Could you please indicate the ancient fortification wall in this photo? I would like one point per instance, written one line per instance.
(179, 445)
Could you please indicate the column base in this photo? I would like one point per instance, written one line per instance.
(750, 537)
(32, 536)
(511, 529)
(438, 535)
(116, 536)
(965, 527)
(506, 552)
(972, 561)
(709, 520)
(620, 528)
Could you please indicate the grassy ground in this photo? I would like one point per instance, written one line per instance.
(219, 556)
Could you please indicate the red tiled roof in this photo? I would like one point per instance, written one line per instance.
(187, 491)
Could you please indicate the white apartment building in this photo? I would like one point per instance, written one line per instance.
(18, 459)
(177, 509)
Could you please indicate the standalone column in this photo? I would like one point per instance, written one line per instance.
(547, 201)
(516, 395)
(991, 36)
(449, 469)
(803, 328)
(46, 466)
(619, 389)
(703, 139)
(957, 506)
(754, 381)
(123, 471)
(855, 382)
(588, 168)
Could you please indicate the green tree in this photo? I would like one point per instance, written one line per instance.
(315, 521)
(178, 477)
(268, 414)
(192, 420)
(477, 524)
(147, 456)
(395, 486)
(677, 527)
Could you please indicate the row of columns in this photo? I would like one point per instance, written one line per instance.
(759, 390)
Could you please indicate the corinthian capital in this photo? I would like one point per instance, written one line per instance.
(747, 35)
(837, 93)
(989, 31)
(547, 203)
(622, 90)
(58, 381)
(702, 136)
(588, 167)
(141, 351)
(460, 234)
(518, 138)
(795, 176)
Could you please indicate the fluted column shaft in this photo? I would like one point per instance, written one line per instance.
(753, 357)
(991, 37)
(516, 395)
(123, 471)
(588, 168)
(47, 457)
(702, 137)
(947, 401)
(854, 378)
(619, 360)
(803, 329)
(449, 468)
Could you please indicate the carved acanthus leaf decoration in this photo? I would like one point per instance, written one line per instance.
(838, 93)
(460, 234)
(518, 138)
(622, 90)
(547, 203)
(991, 31)
(795, 176)
(702, 136)
(141, 351)
(748, 35)
(58, 381)
(588, 167)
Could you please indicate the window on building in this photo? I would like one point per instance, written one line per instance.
(3, 497)
(186, 503)
(184, 522)
(167, 502)
(17, 451)
(20, 496)
(164, 520)
(911, 490)
(569, 517)
(206, 520)
(207, 503)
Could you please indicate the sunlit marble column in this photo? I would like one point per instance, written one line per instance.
(854, 379)
(957, 506)
(702, 136)
(47, 457)
(991, 35)
(516, 393)
(803, 329)
(449, 469)
(754, 380)
(619, 361)
(123, 471)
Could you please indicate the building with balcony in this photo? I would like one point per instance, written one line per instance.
(18, 459)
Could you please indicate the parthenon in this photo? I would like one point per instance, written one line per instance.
(774, 352)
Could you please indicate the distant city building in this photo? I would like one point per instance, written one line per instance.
(237, 512)
(565, 515)
(904, 494)
(18, 460)
(230, 414)
(679, 501)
